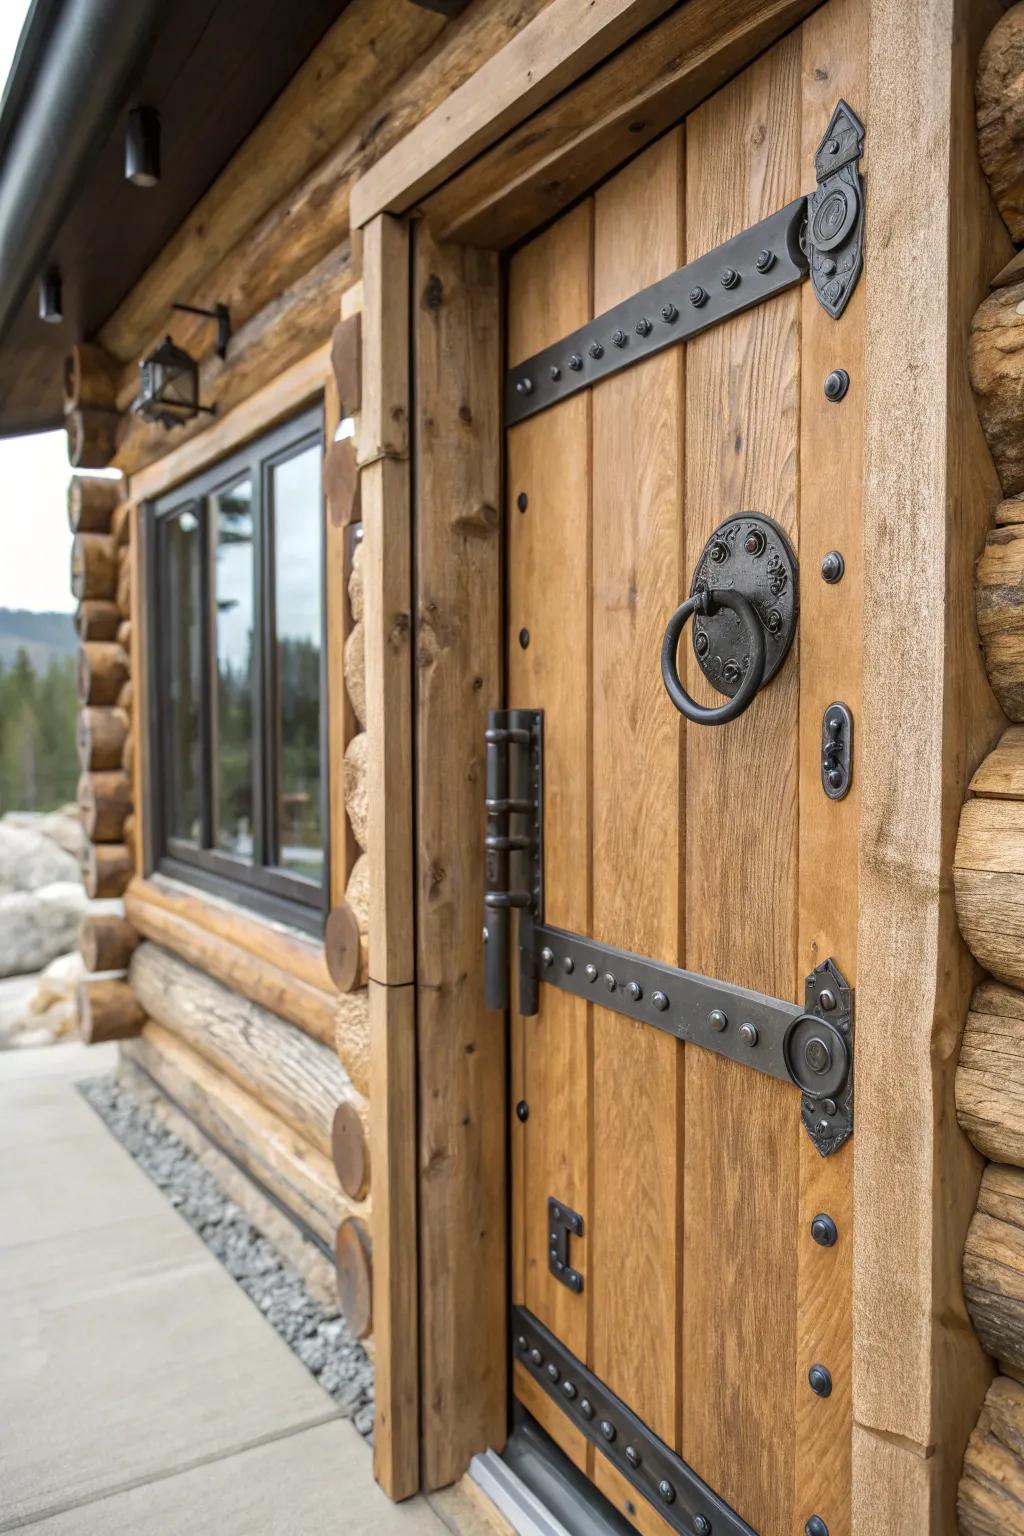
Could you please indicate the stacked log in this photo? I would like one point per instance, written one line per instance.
(90, 406)
(108, 1009)
(262, 1088)
(988, 869)
(100, 522)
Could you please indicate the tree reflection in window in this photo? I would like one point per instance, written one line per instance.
(231, 523)
(184, 676)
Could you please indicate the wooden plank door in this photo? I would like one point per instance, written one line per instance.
(705, 1299)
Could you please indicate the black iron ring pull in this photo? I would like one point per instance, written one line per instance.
(707, 603)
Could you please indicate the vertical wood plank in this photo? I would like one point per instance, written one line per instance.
(462, 1091)
(396, 1459)
(387, 597)
(831, 485)
(139, 673)
(340, 719)
(639, 835)
(742, 1128)
(549, 607)
(387, 582)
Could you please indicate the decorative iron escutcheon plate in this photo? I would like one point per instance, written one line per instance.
(750, 554)
(680, 1497)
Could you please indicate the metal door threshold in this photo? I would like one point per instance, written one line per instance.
(539, 1490)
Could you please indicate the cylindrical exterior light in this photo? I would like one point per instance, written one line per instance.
(51, 302)
(142, 147)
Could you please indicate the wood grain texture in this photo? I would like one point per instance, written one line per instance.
(567, 39)
(99, 738)
(93, 567)
(281, 1160)
(988, 878)
(396, 1462)
(317, 1011)
(461, 1048)
(1000, 117)
(744, 159)
(997, 377)
(990, 1073)
(104, 803)
(353, 1257)
(91, 500)
(604, 118)
(919, 1373)
(994, 1264)
(295, 1076)
(387, 561)
(107, 1009)
(990, 1500)
(97, 619)
(638, 838)
(548, 461)
(105, 941)
(1001, 774)
(831, 449)
(107, 869)
(1000, 599)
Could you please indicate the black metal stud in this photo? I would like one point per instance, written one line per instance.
(815, 1527)
(754, 543)
(698, 296)
(644, 326)
(634, 991)
(596, 350)
(765, 261)
(836, 385)
(609, 981)
(568, 965)
(619, 338)
(575, 362)
(608, 1430)
(717, 1020)
(701, 643)
(832, 567)
(554, 1374)
(555, 373)
(748, 1034)
(660, 1001)
(824, 1230)
(569, 1390)
(524, 638)
(702, 1525)
(522, 501)
(633, 1456)
(586, 1408)
(666, 1492)
(547, 958)
(522, 1111)
(590, 972)
(819, 1379)
(536, 1357)
(669, 313)
(730, 277)
(524, 386)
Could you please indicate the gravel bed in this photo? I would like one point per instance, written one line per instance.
(319, 1337)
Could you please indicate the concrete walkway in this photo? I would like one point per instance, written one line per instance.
(141, 1392)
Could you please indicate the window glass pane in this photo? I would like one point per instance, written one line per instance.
(181, 539)
(231, 519)
(296, 500)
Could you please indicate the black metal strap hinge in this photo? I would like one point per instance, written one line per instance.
(670, 1484)
(809, 1046)
(821, 236)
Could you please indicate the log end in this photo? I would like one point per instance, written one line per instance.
(991, 1493)
(353, 1256)
(350, 1152)
(343, 948)
(107, 1010)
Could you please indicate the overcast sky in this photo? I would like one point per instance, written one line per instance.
(34, 540)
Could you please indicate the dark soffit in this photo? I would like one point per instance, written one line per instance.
(214, 69)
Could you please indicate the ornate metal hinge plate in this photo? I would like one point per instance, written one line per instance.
(821, 234)
(670, 1484)
(563, 1223)
(810, 1047)
(835, 212)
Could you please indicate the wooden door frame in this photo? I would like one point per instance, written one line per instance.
(918, 1372)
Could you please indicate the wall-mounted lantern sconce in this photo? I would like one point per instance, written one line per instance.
(169, 387)
(51, 300)
(221, 314)
(142, 147)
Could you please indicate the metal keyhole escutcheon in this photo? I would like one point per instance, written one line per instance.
(744, 601)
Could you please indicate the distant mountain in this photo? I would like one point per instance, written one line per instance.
(43, 635)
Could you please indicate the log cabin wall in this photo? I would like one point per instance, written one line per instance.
(262, 1034)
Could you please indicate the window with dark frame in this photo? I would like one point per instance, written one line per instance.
(237, 714)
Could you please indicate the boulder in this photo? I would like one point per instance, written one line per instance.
(29, 860)
(38, 925)
(64, 827)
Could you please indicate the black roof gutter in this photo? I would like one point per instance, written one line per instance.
(72, 75)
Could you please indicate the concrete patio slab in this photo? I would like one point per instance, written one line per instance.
(316, 1482)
